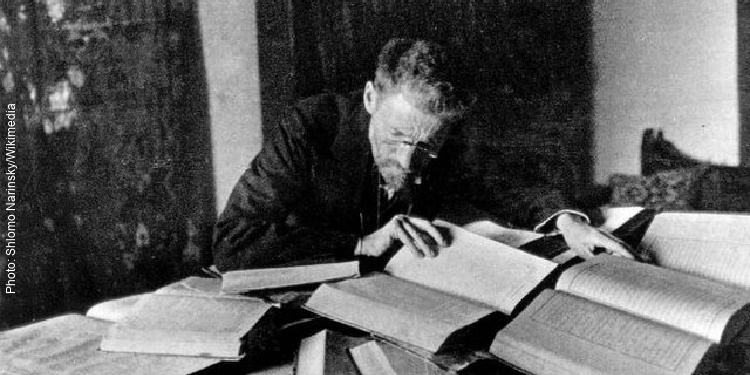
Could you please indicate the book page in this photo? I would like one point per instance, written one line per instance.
(193, 286)
(311, 355)
(510, 236)
(563, 334)
(409, 362)
(69, 345)
(711, 245)
(117, 309)
(476, 268)
(371, 360)
(614, 217)
(113, 310)
(274, 278)
(396, 309)
(186, 325)
(687, 302)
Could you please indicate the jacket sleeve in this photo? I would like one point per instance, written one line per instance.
(526, 208)
(259, 226)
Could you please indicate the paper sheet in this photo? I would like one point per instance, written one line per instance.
(711, 245)
(274, 278)
(561, 334)
(371, 360)
(116, 309)
(686, 302)
(185, 325)
(69, 345)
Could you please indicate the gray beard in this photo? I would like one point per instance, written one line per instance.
(395, 182)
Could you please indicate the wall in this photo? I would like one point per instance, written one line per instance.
(230, 46)
(114, 188)
(664, 64)
(743, 71)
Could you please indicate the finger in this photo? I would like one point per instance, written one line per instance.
(405, 238)
(619, 250)
(419, 242)
(583, 251)
(613, 246)
(431, 230)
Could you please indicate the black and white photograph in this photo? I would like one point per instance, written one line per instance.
(375, 187)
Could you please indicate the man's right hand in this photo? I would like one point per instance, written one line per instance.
(418, 235)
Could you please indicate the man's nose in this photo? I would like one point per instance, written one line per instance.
(402, 156)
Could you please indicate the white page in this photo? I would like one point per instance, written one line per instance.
(116, 309)
(475, 267)
(273, 278)
(509, 236)
(686, 302)
(561, 334)
(113, 310)
(371, 360)
(69, 345)
(397, 309)
(712, 245)
(185, 325)
(193, 286)
(614, 217)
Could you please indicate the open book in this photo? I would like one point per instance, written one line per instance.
(234, 282)
(117, 309)
(69, 345)
(476, 268)
(610, 315)
(431, 303)
(712, 245)
(399, 310)
(325, 352)
(190, 325)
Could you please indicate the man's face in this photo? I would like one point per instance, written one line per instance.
(404, 140)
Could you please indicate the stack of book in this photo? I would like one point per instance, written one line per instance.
(479, 307)
(198, 325)
(687, 314)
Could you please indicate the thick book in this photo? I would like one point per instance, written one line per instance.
(115, 310)
(189, 325)
(325, 353)
(331, 352)
(69, 345)
(381, 357)
(241, 281)
(475, 268)
(396, 309)
(371, 360)
(706, 244)
(611, 315)
(432, 304)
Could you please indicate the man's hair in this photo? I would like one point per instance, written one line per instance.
(423, 71)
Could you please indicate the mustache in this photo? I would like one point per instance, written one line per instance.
(396, 174)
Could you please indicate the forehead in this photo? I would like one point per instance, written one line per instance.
(396, 113)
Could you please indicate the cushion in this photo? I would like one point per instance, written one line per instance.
(670, 190)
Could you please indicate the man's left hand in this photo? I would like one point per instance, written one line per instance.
(584, 240)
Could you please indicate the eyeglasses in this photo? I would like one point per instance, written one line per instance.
(420, 147)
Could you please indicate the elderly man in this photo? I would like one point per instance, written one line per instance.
(364, 174)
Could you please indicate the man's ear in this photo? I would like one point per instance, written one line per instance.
(370, 97)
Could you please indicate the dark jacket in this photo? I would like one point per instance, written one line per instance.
(311, 192)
